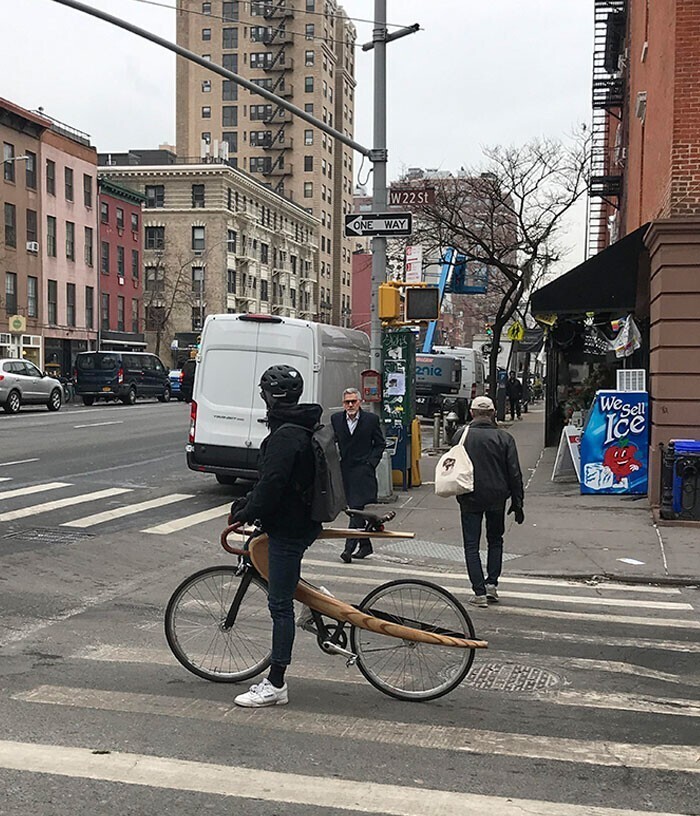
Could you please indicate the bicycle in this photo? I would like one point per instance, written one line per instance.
(218, 626)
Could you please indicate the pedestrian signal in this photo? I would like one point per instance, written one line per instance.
(422, 303)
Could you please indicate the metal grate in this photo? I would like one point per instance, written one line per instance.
(512, 677)
(632, 379)
(50, 535)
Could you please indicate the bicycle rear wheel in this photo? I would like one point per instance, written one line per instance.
(406, 669)
(196, 630)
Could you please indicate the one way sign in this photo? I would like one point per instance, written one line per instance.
(389, 224)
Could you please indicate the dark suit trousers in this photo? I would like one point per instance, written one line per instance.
(356, 524)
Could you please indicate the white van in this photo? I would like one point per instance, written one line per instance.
(473, 377)
(227, 413)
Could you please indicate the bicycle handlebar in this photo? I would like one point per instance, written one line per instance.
(237, 527)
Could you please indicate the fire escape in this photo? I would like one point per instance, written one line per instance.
(607, 152)
(278, 66)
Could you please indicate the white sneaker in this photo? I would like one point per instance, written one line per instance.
(262, 695)
(478, 600)
(492, 592)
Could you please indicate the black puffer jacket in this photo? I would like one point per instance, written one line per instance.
(497, 475)
(286, 471)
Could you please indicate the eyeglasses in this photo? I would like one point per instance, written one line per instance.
(350, 402)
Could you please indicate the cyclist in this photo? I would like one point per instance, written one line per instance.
(279, 502)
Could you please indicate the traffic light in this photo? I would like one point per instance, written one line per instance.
(422, 303)
(389, 302)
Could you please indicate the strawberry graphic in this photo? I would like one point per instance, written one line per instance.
(619, 458)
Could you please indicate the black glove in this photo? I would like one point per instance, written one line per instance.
(238, 510)
(519, 513)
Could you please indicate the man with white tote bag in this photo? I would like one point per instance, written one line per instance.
(483, 471)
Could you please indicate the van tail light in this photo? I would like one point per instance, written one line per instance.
(182, 376)
(193, 421)
(473, 390)
(2, 377)
(75, 375)
(120, 376)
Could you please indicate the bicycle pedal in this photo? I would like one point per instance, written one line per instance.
(333, 647)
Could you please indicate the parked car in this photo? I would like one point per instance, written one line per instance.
(175, 376)
(187, 379)
(123, 375)
(22, 383)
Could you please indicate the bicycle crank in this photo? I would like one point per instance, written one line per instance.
(333, 648)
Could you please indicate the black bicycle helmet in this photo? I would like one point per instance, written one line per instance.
(281, 383)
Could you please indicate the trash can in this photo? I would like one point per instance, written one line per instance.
(686, 479)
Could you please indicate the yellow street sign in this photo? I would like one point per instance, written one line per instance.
(516, 331)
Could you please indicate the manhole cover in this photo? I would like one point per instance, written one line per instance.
(511, 677)
(50, 535)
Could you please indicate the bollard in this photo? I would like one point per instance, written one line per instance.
(436, 431)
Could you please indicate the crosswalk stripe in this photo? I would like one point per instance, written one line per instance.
(609, 640)
(591, 600)
(189, 521)
(657, 623)
(393, 732)
(374, 567)
(56, 505)
(5, 478)
(624, 702)
(127, 510)
(28, 491)
(228, 780)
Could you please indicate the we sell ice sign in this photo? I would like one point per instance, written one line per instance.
(615, 444)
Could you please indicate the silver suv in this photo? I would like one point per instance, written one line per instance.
(22, 383)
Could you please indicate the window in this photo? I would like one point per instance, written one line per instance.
(260, 138)
(89, 307)
(260, 59)
(134, 222)
(68, 183)
(309, 31)
(229, 91)
(229, 38)
(104, 258)
(197, 318)
(206, 86)
(309, 84)
(263, 83)
(134, 263)
(198, 239)
(155, 237)
(311, 5)
(206, 8)
(263, 290)
(70, 304)
(260, 112)
(134, 315)
(231, 139)
(88, 246)
(8, 155)
(155, 195)
(206, 112)
(259, 34)
(120, 261)
(104, 315)
(31, 226)
(70, 240)
(52, 292)
(229, 115)
(120, 313)
(120, 218)
(230, 12)
(198, 281)
(231, 243)
(197, 195)
(231, 281)
(264, 253)
(206, 34)
(308, 137)
(308, 189)
(51, 236)
(10, 293)
(260, 164)
(308, 164)
(30, 170)
(230, 62)
(104, 212)
(32, 296)
(155, 280)
(87, 190)
(309, 57)
(206, 137)
(50, 177)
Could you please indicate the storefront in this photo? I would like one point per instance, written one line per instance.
(21, 346)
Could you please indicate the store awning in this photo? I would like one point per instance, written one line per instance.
(607, 282)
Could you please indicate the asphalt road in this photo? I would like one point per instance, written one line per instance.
(587, 697)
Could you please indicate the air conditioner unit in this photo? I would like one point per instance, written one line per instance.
(32, 246)
(640, 109)
(121, 280)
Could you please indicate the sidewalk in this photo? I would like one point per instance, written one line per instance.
(564, 534)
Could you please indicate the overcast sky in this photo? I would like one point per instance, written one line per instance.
(482, 72)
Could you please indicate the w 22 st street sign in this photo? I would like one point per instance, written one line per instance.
(389, 224)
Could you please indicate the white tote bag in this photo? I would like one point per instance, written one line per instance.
(454, 474)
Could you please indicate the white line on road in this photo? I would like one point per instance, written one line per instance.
(26, 491)
(449, 738)
(18, 462)
(5, 478)
(100, 424)
(127, 510)
(183, 523)
(275, 786)
(56, 505)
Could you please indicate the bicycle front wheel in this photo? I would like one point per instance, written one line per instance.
(406, 669)
(198, 631)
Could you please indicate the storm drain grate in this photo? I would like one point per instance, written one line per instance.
(50, 535)
(512, 677)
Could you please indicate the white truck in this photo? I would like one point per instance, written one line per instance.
(227, 416)
(472, 383)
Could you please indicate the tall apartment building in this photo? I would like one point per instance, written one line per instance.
(302, 50)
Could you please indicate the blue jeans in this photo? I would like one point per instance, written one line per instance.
(471, 533)
(284, 570)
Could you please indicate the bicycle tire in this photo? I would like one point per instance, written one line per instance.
(193, 626)
(408, 670)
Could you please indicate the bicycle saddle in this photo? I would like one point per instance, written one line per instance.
(373, 522)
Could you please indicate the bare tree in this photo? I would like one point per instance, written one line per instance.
(507, 216)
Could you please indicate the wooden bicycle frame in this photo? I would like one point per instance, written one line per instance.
(339, 610)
